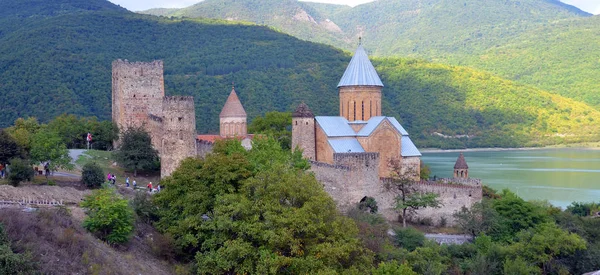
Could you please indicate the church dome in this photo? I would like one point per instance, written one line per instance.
(461, 163)
(303, 111)
(233, 107)
(360, 71)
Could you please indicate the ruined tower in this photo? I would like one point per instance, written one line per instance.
(137, 90)
(178, 132)
(461, 169)
(233, 117)
(303, 131)
(360, 89)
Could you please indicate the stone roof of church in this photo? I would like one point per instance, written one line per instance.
(343, 138)
(233, 107)
(461, 163)
(360, 71)
(303, 111)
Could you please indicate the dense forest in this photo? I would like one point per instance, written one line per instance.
(547, 44)
(60, 62)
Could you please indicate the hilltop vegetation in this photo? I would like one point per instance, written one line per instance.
(544, 43)
(62, 64)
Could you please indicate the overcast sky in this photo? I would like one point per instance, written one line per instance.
(591, 6)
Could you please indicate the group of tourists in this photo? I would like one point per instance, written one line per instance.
(3, 170)
(112, 179)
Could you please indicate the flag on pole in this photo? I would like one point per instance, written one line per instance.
(89, 137)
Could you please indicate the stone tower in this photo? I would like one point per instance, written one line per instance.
(461, 169)
(233, 117)
(178, 132)
(303, 131)
(137, 90)
(360, 89)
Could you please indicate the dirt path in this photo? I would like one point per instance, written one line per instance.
(68, 195)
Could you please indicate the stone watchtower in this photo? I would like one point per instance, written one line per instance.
(233, 117)
(137, 90)
(178, 132)
(303, 131)
(360, 89)
(461, 169)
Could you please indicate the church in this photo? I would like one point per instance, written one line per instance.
(360, 127)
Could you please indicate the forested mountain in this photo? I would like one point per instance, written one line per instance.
(61, 63)
(544, 43)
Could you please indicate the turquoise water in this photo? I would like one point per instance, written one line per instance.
(559, 176)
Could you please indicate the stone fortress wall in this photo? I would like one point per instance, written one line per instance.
(354, 176)
(178, 132)
(138, 100)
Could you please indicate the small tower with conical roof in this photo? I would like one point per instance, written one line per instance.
(360, 88)
(233, 117)
(461, 169)
(303, 131)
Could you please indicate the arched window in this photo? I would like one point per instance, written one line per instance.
(362, 112)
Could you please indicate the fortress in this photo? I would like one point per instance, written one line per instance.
(351, 154)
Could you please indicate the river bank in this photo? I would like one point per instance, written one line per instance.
(584, 145)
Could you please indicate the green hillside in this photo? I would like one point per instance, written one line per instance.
(300, 19)
(62, 63)
(544, 43)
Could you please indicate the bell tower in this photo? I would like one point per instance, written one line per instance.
(360, 88)
(303, 131)
(461, 169)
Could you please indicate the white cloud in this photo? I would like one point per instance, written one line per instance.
(591, 6)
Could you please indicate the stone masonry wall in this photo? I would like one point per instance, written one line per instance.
(303, 136)
(203, 148)
(179, 132)
(354, 176)
(137, 90)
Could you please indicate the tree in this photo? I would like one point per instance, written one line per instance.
(8, 147)
(274, 124)
(425, 171)
(388, 268)
(368, 204)
(92, 175)
(20, 170)
(281, 219)
(410, 198)
(480, 218)
(136, 151)
(47, 146)
(109, 216)
(23, 132)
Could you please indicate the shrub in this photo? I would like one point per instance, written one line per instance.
(368, 204)
(20, 170)
(13, 263)
(110, 217)
(92, 175)
(144, 208)
(409, 238)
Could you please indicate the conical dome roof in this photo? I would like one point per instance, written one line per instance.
(233, 107)
(303, 111)
(461, 163)
(360, 71)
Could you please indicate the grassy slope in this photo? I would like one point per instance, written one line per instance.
(62, 63)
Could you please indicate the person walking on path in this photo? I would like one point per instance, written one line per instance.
(108, 177)
(149, 187)
(114, 179)
(158, 187)
(127, 182)
(134, 184)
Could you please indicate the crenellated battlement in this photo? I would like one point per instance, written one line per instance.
(331, 166)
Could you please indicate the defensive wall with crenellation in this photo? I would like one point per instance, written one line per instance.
(138, 100)
(354, 176)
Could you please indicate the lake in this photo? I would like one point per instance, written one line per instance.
(559, 176)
